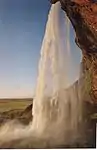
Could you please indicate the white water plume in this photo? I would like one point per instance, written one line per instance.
(52, 69)
(56, 109)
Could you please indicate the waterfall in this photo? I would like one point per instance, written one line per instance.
(57, 108)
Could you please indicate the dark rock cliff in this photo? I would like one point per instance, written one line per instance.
(83, 16)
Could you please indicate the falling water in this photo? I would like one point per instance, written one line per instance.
(52, 76)
(56, 108)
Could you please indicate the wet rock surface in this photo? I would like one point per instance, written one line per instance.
(24, 116)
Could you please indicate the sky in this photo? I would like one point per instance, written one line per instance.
(22, 27)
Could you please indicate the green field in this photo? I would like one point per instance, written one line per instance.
(14, 104)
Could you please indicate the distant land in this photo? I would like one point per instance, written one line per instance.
(7, 104)
(16, 98)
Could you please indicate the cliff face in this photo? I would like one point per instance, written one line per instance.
(83, 16)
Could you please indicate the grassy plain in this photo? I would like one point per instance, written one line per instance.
(14, 104)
